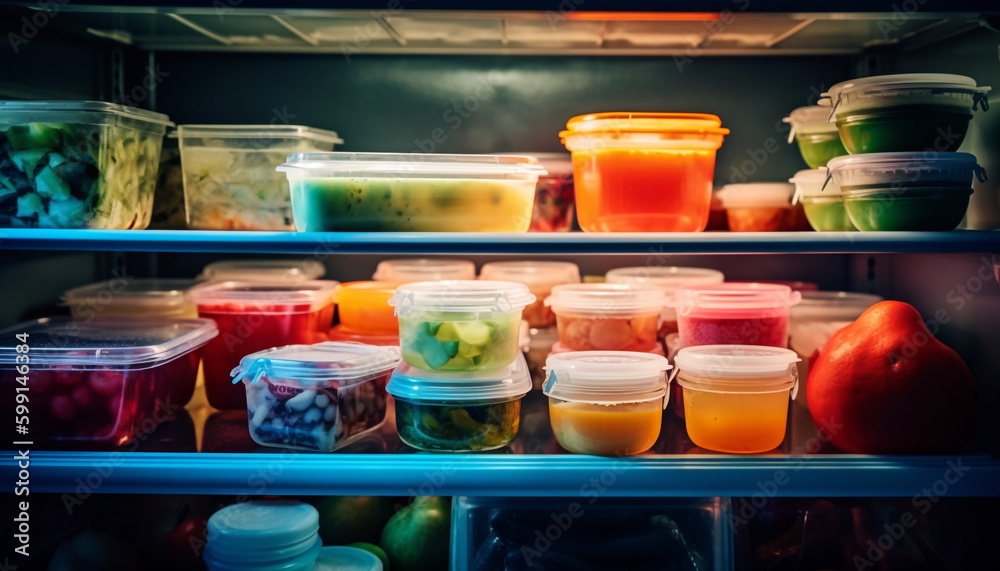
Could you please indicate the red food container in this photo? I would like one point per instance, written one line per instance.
(253, 316)
(103, 381)
(734, 314)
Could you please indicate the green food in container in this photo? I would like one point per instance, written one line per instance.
(922, 209)
(915, 128)
(822, 201)
(817, 137)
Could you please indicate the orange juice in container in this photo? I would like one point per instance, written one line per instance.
(643, 172)
(365, 314)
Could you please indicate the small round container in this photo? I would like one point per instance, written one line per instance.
(554, 203)
(280, 271)
(608, 403)
(734, 314)
(905, 112)
(643, 172)
(264, 535)
(906, 191)
(460, 325)
(363, 307)
(344, 558)
(736, 396)
(459, 412)
(315, 397)
(540, 277)
(762, 207)
(669, 279)
(607, 317)
(824, 207)
(817, 138)
(132, 298)
(423, 270)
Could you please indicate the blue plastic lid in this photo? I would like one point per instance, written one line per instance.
(344, 558)
(504, 383)
(259, 531)
(328, 363)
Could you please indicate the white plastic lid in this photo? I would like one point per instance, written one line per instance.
(258, 131)
(557, 164)
(810, 183)
(734, 296)
(557, 348)
(833, 305)
(433, 387)
(157, 293)
(323, 364)
(943, 82)
(106, 343)
(614, 299)
(424, 270)
(532, 273)
(606, 377)
(256, 530)
(811, 119)
(344, 558)
(461, 296)
(310, 295)
(738, 368)
(757, 195)
(21, 112)
(927, 168)
(263, 270)
(410, 165)
(667, 278)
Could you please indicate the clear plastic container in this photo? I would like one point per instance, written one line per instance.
(460, 325)
(315, 397)
(132, 298)
(540, 277)
(540, 343)
(817, 138)
(168, 198)
(345, 558)
(263, 535)
(459, 412)
(736, 396)
(823, 205)
(102, 381)
(643, 172)
(762, 207)
(423, 270)
(608, 403)
(280, 271)
(386, 192)
(338, 333)
(253, 316)
(363, 308)
(607, 317)
(229, 177)
(669, 279)
(554, 203)
(734, 314)
(78, 164)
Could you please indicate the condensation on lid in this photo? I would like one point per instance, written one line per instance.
(606, 377)
(424, 269)
(532, 273)
(263, 270)
(461, 296)
(757, 195)
(342, 363)
(412, 384)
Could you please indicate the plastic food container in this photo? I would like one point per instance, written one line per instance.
(736, 396)
(102, 381)
(459, 412)
(607, 317)
(540, 277)
(608, 403)
(816, 319)
(553, 209)
(281, 271)
(460, 325)
(229, 177)
(669, 279)
(906, 191)
(78, 164)
(762, 207)
(385, 192)
(363, 307)
(643, 172)
(263, 535)
(824, 207)
(168, 197)
(132, 298)
(905, 112)
(423, 270)
(315, 397)
(541, 341)
(344, 558)
(253, 316)
(338, 333)
(717, 221)
(817, 138)
(734, 314)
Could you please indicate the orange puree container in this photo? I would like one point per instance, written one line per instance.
(363, 307)
(643, 172)
(608, 403)
(736, 396)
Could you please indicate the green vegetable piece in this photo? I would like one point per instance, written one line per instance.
(29, 205)
(460, 417)
(473, 332)
(451, 348)
(447, 332)
(49, 185)
(27, 161)
(433, 353)
(69, 213)
(469, 351)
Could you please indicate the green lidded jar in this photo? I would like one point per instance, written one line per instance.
(822, 201)
(816, 136)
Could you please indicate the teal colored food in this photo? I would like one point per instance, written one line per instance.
(904, 129)
(77, 176)
(818, 148)
(468, 345)
(904, 209)
(827, 215)
(416, 205)
(457, 427)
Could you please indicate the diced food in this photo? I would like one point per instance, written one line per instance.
(459, 345)
(613, 333)
(457, 427)
(540, 277)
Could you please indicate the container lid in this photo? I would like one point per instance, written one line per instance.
(557, 348)
(925, 168)
(833, 305)
(410, 165)
(424, 270)
(504, 383)
(532, 273)
(939, 82)
(606, 377)
(327, 363)
(461, 295)
(810, 183)
(106, 343)
(606, 298)
(631, 122)
(312, 294)
(811, 119)
(263, 270)
(337, 333)
(757, 195)
(156, 293)
(257, 131)
(734, 296)
(736, 367)
(667, 278)
(557, 164)
(344, 558)
(249, 531)
(68, 112)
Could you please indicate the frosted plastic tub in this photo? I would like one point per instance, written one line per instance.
(817, 138)
(363, 308)
(78, 164)
(607, 317)
(824, 206)
(409, 270)
(669, 279)
(554, 202)
(263, 535)
(132, 298)
(229, 177)
(280, 271)
(762, 207)
(540, 277)
(734, 314)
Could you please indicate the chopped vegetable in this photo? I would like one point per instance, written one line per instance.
(457, 427)
(458, 345)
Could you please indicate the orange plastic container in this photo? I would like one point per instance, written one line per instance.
(643, 172)
(363, 307)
